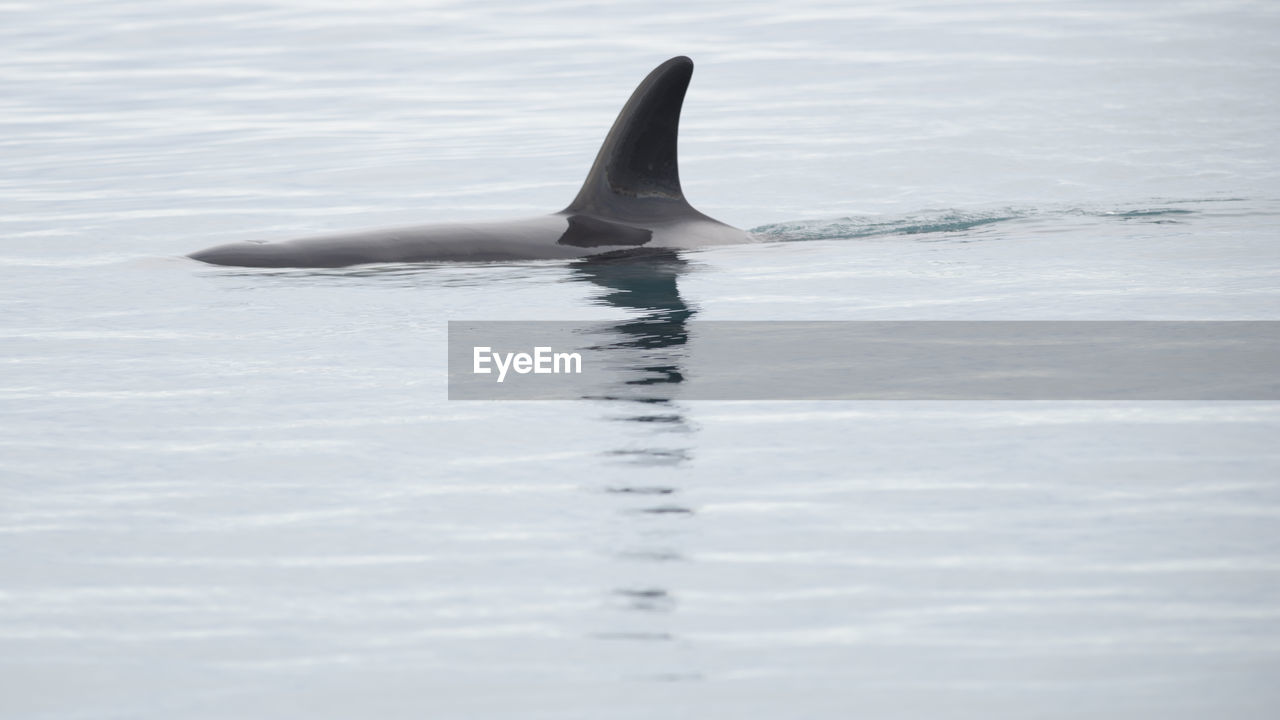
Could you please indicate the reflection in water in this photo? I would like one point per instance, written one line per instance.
(655, 555)
(646, 599)
(410, 275)
(645, 283)
(651, 456)
(650, 346)
(642, 490)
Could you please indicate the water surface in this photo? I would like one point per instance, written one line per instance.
(243, 493)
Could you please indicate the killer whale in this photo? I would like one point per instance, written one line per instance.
(631, 200)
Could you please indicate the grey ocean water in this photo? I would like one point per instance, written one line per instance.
(244, 494)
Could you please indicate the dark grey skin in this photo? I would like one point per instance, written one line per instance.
(631, 200)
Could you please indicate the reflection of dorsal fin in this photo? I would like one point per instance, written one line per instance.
(637, 163)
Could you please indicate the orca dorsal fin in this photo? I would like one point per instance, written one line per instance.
(636, 166)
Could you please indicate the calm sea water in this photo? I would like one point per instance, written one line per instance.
(243, 493)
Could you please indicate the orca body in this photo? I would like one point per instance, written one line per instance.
(631, 200)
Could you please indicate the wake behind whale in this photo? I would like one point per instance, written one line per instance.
(631, 200)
